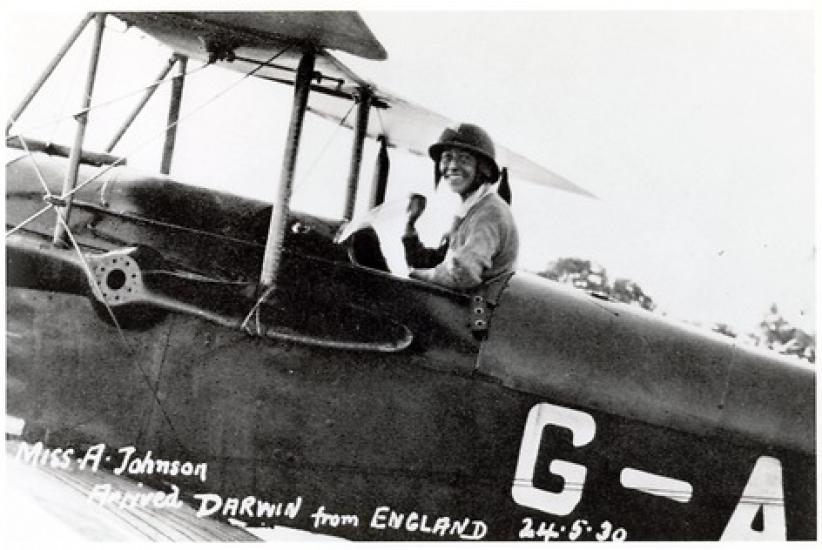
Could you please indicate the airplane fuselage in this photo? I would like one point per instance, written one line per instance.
(576, 419)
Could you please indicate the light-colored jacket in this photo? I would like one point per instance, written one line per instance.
(483, 245)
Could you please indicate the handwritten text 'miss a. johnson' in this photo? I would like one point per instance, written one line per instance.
(126, 461)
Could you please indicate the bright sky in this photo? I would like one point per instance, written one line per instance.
(694, 129)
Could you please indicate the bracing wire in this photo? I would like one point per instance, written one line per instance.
(154, 136)
(42, 181)
(254, 312)
(61, 118)
(40, 177)
(382, 124)
(28, 220)
(325, 146)
(126, 345)
(77, 248)
(175, 123)
(670, 493)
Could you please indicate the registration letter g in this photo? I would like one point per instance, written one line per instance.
(582, 428)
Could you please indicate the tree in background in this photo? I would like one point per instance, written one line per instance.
(724, 328)
(579, 273)
(776, 333)
(592, 277)
(629, 292)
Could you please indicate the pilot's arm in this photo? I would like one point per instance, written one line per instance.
(417, 254)
(474, 244)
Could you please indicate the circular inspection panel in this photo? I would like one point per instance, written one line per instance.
(118, 279)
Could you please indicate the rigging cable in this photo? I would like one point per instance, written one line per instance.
(75, 73)
(255, 309)
(40, 177)
(177, 122)
(255, 312)
(42, 181)
(61, 118)
(153, 137)
(672, 493)
(28, 220)
(382, 124)
(123, 339)
(325, 146)
(93, 281)
(76, 246)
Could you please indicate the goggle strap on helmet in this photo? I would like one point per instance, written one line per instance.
(504, 190)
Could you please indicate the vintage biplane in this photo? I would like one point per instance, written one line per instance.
(246, 357)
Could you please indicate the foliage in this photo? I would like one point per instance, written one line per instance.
(592, 277)
(778, 334)
(725, 329)
(774, 332)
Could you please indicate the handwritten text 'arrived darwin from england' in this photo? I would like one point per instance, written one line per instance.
(104, 494)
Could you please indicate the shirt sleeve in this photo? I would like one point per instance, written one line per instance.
(417, 255)
(465, 264)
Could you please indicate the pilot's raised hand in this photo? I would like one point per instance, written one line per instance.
(415, 208)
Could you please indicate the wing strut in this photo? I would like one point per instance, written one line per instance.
(363, 108)
(173, 115)
(381, 169)
(82, 120)
(279, 207)
(48, 70)
(142, 103)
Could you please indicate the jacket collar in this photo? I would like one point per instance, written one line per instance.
(474, 198)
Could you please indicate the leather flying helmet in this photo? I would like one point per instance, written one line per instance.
(473, 139)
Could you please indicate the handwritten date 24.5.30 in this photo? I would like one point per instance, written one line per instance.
(580, 529)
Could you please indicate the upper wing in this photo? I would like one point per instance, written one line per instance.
(413, 128)
(338, 30)
(270, 44)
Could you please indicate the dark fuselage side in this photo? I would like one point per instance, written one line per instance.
(435, 429)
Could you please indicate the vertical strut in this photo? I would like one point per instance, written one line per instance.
(48, 70)
(173, 115)
(363, 109)
(279, 208)
(381, 169)
(82, 120)
(143, 100)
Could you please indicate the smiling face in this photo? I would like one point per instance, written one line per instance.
(459, 168)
